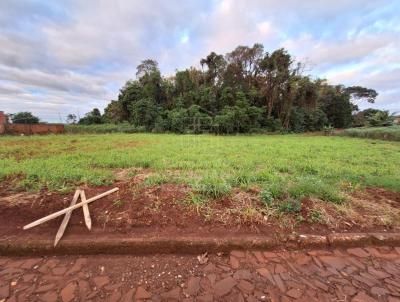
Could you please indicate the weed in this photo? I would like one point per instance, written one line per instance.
(266, 197)
(316, 216)
(118, 203)
(156, 179)
(289, 206)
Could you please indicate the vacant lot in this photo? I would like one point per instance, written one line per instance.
(246, 178)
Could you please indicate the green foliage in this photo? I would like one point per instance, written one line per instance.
(156, 179)
(381, 119)
(266, 197)
(24, 118)
(289, 206)
(212, 185)
(92, 117)
(247, 90)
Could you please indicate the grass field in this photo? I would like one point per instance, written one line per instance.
(391, 133)
(280, 165)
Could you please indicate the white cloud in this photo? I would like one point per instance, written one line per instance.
(74, 55)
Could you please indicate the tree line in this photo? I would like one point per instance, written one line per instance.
(246, 90)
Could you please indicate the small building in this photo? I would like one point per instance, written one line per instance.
(28, 129)
(3, 122)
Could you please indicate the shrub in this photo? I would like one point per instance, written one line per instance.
(289, 206)
(266, 197)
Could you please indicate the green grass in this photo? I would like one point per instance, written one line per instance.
(101, 128)
(288, 167)
(391, 133)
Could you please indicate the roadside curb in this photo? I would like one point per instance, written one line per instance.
(190, 245)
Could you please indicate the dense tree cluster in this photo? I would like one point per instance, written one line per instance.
(246, 90)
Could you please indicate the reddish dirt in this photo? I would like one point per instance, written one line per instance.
(354, 274)
(139, 211)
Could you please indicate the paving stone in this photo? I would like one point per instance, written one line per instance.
(68, 293)
(4, 291)
(238, 254)
(377, 273)
(173, 294)
(205, 298)
(84, 289)
(358, 252)
(349, 290)
(193, 286)
(334, 261)
(115, 296)
(59, 270)
(212, 278)
(48, 297)
(44, 288)
(294, 293)
(279, 282)
(392, 282)
(79, 263)
(279, 268)
(29, 263)
(100, 281)
(270, 255)
(320, 285)
(142, 294)
(259, 256)
(245, 286)
(112, 287)
(242, 274)
(366, 280)
(209, 268)
(128, 296)
(363, 297)
(234, 262)
(224, 286)
(263, 271)
(379, 291)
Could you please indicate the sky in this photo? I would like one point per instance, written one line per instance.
(61, 57)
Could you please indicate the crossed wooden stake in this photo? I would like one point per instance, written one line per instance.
(68, 211)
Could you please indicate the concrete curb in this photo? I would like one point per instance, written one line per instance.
(190, 245)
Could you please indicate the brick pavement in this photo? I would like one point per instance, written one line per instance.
(357, 274)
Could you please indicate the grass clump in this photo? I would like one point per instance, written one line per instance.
(156, 180)
(212, 186)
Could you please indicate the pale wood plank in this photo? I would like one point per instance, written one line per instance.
(86, 213)
(62, 212)
(67, 216)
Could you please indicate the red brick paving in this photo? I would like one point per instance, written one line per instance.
(367, 274)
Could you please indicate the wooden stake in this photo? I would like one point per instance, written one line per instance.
(86, 213)
(61, 212)
(67, 216)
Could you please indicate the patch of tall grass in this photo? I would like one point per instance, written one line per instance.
(391, 133)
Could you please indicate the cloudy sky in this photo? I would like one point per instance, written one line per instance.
(60, 57)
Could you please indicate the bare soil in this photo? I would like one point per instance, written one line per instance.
(165, 210)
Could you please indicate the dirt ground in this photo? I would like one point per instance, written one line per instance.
(165, 210)
(366, 274)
